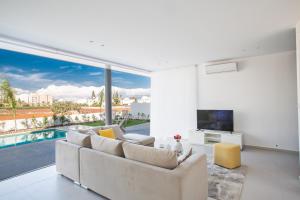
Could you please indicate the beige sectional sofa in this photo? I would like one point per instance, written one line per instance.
(104, 166)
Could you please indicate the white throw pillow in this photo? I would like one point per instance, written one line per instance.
(79, 139)
(158, 157)
(185, 155)
(107, 145)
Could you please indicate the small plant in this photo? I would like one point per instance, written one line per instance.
(25, 123)
(88, 118)
(54, 118)
(2, 124)
(76, 119)
(84, 118)
(45, 122)
(94, 118)
(139, 114)
(39, 124)
(34, 122)
(64, 120)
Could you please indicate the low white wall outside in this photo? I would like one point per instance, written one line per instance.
(140, 108)
(9, 125)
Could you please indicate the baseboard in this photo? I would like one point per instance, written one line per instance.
(271, 149)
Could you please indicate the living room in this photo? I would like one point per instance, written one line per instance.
(225, 87)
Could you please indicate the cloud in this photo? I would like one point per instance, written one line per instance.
(95, 73)
(32, 79)
(120, 80)
(36, 77)
(132, 92)
(11, 69)
(81, 93)
(20, 91)
(77, 67)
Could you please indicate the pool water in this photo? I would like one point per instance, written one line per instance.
(31, 137)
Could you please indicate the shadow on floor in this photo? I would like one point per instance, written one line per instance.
(24, 158)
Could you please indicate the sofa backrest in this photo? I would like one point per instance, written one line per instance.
(119, 178)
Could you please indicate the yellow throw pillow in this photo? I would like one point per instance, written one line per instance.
(109, 133)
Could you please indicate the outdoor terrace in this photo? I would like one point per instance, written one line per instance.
(21, 159)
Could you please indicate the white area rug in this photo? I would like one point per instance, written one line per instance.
(225, 184)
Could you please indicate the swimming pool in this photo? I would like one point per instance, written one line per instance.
(30, 137)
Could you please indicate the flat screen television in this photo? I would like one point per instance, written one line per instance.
(221, 120)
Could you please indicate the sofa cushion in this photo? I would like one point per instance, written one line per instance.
(138, 138)
(107, 145)
(79, 139)
(108, 133)
(157, 157)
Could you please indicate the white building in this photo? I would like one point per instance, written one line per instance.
(128, 100)
(35, 99)
(144, 99)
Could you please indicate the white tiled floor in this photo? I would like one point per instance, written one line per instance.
(43, 184)
(270, 175)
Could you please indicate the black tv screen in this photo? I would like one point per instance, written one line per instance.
(221, 120)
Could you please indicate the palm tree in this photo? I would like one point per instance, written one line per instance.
(9, 98)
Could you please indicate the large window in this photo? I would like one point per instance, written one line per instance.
(131, 101)
(42, 98)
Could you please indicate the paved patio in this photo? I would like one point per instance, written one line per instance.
(24, 158)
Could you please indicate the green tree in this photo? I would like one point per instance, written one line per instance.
(93, 95)
(101, 98)
(9, 98)
(54, 118)
(62, 108)
(64, 120)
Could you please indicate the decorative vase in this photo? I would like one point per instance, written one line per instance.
(178, 147)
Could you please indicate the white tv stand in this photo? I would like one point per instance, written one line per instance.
(207, 137)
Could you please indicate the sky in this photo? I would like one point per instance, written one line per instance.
(30, 73)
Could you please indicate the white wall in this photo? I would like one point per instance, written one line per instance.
(263, 95)
(173, 101)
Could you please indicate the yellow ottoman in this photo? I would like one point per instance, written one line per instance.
(227, 155)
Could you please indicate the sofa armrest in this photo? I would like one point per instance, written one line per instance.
(67, 159)
(193, 177)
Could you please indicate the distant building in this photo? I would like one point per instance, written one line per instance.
(35, 99)
(128, 100)
(144, 99)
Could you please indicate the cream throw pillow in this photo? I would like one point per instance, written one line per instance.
(107, 145)
(79, 139)
(185, 155)
(158, 157)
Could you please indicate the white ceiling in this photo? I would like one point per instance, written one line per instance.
(155, 34)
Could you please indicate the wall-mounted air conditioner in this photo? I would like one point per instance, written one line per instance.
(219, 68)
